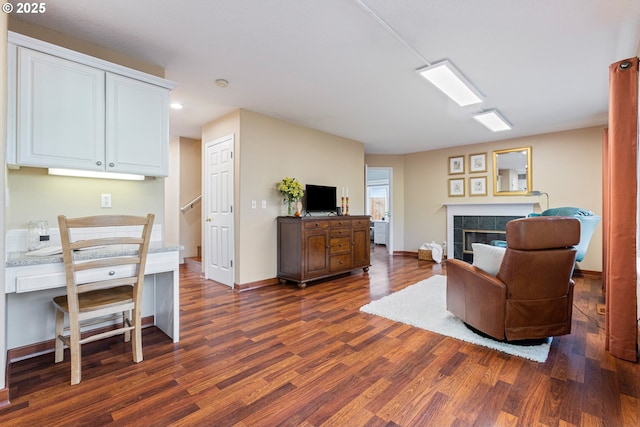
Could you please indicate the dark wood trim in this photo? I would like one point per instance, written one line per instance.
(406, 253)
(255, 285)
(4, 395)
(587, 273)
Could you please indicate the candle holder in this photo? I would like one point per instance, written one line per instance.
(346, 212)
(342, 209)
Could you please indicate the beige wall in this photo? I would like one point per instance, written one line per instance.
(34, 195)
(567, 165)
(190, 188)
(267, 150)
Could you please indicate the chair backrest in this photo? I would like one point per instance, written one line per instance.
(588, 222)
(540, 255)
(124, 239)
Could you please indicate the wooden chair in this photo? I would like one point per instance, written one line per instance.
(102, 290)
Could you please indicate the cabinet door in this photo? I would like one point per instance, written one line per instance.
(137, 127)
(60, 120)
(316, 253)
(361, 249)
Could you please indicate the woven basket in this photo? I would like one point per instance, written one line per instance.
(425, 255)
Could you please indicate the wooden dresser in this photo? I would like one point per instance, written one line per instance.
(311, 248)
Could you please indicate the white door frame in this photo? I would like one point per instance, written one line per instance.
(391, 213)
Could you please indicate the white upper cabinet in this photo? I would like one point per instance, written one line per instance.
(60, 112)
(70, 110)
(137, 119)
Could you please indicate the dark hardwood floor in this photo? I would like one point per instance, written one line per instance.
(307, 357)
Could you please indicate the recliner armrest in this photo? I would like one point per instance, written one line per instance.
(476, 297)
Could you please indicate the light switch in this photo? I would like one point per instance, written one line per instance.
(264, 204)
(253, 204)
(106, 201)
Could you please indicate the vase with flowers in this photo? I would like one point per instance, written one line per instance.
(291, 191)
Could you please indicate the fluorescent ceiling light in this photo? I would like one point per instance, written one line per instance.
(95, 174)
(493, 120)
(449, 80)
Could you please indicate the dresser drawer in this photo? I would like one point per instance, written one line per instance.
(316, 224)
(340, 262)
(339, 245)
(341, 223)
(340, 232)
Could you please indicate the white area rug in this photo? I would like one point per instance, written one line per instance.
(423, 305)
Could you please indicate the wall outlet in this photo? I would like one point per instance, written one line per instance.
(105, 201)
(253, 204)
(264, 204)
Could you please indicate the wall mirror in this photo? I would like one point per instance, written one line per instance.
(512, 172)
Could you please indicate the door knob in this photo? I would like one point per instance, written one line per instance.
(208, 220)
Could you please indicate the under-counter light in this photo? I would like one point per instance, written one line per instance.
(492, 120)
(176, 106)
(451, 82)
(95, 174)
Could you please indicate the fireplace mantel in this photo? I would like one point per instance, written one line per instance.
(482, 209)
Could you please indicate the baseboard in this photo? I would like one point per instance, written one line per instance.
(582, 273)
(406, 253)
(4, 397)
(255, 285)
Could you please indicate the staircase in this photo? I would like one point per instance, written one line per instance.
(194, 263)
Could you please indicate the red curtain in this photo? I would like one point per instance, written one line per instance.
(620, 210)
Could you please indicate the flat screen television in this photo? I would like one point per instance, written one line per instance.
(320, 198)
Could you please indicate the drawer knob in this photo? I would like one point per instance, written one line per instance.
(112, 273)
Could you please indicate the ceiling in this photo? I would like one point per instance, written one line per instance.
(347, 67)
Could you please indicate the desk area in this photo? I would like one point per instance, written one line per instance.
(31, 283)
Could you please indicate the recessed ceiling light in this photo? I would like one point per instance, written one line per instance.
(176, 106)
(492, 120)
(222, 83)
(449, 80)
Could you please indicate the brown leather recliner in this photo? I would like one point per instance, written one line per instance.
(532, 295)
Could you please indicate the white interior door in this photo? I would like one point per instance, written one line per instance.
(218, 206)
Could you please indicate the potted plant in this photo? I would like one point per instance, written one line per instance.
(291, 191)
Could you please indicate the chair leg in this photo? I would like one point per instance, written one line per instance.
(126, 318)
(76, 353)
(59, 345)
(136, 342)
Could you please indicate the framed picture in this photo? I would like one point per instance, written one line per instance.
(478, 162)
(478, 186)
(456, 187)
(456, 165)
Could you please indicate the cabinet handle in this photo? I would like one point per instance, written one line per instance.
(341, 262)
(328, 246)
(111, 165)
(112, 273)
(99, 163)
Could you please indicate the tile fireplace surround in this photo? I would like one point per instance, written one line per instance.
(477, 216)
